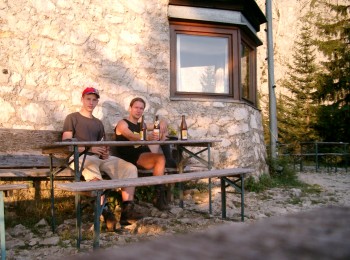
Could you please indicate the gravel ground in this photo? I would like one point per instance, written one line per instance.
(330, 188)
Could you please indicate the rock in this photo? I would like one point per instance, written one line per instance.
(176, 211)
(19, 230)
(51, 241)
(15, 243)
(34, 242)
(41, 223)
(295, 192)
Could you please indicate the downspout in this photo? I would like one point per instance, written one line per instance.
(271, 82)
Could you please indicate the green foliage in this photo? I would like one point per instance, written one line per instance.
(145, 193)
(296, 108)
(262, 184)
(333, 30)
(281, 175)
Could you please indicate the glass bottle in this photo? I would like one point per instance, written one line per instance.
(143, 130)
(183, 128)
(156, 128)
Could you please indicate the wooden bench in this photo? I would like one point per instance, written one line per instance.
(99, 187)
(4, 189)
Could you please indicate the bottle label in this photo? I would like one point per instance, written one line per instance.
(157, 132)
(142, 138)
(184, 134)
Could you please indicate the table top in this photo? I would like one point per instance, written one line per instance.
(64, 144)
(131, 143)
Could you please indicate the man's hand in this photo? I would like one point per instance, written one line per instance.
(101, 151)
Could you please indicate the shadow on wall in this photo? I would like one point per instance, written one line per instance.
(112, 112)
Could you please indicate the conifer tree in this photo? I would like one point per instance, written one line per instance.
(333, 88)
(296, 107)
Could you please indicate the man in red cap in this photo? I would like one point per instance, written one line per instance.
(84, 126)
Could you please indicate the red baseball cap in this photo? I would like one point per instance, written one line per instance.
(90, 90)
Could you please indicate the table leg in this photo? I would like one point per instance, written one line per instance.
(181, 170)
(2, 226)
(77, 196)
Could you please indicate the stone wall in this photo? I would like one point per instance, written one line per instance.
(52, 49)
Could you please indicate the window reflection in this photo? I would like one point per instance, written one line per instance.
(202, 64)
(245, 64)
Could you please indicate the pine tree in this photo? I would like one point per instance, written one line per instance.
(334, 81)
(296, 107)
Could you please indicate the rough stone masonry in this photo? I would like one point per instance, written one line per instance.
(52, 49)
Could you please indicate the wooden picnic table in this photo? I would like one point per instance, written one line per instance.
(71, 148)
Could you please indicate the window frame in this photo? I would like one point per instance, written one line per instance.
(236, 36)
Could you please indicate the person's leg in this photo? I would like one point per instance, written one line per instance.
(155, 161)
(91, 169)
(117, 168)
(91, 172)
(169, 160)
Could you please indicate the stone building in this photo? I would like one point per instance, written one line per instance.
(192, 58)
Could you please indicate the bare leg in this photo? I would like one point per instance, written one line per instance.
(153, 161)
(128, 194)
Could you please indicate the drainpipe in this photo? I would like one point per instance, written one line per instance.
(271, 82)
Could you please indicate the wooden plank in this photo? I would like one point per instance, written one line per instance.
(27, 161)
(33, 173)
(24, 140)
(153, 180)
(8, 187)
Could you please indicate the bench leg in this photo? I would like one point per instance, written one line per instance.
(237, 187)
(52, 191)
(210, 196)
(2, 226)
(223, 198)
(78, 221)
(97, 214)
(242, 197)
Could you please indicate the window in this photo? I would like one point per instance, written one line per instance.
(209, 61)
(200, 67)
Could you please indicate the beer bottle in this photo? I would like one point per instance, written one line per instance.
(156, 128)
(183, 128)
(143, 130)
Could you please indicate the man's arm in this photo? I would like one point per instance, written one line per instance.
(101, 151)
(67, 135)
(123, 129)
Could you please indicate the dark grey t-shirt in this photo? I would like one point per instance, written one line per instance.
(84, 128)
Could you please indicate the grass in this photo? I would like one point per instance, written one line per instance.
(281, 175)
(29, 212)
